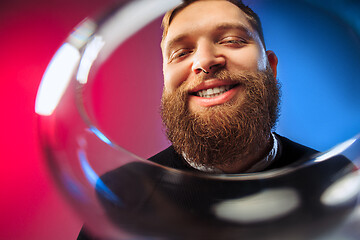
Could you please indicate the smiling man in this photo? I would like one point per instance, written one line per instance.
(221, 96)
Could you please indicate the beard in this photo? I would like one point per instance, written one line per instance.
(223, 135)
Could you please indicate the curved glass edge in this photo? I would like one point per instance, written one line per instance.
(80, 51)
(92, 41)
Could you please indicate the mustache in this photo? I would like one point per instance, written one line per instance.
(225, 75)
(222, 75)
(244, 77)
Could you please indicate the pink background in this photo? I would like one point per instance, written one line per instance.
(31, 32)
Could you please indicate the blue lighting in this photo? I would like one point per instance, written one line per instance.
(100, 135)
(94, 179)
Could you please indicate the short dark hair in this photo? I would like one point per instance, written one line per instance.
(251, 16)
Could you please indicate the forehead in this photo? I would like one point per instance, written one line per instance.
(203, 16)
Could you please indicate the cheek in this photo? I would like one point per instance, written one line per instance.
(250, 59)
(174, 76)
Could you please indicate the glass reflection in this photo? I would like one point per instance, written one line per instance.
(123, 196)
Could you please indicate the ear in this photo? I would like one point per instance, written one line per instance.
(273, 61)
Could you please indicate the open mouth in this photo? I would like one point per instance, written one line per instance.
(213, 92)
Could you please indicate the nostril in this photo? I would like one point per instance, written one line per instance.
(199, 70)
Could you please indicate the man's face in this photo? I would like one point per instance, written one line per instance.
(208, 35)
(220, 95)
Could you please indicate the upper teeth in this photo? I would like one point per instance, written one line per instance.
(212, 92)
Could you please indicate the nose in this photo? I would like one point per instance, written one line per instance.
(207, 59)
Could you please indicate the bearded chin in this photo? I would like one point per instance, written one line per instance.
(225, 134)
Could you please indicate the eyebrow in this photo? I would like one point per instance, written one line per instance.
(178, 39)
(219, 27)
(237, 26)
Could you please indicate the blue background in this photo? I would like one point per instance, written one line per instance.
(318, 49)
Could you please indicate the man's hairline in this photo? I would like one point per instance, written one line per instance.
(176, 11)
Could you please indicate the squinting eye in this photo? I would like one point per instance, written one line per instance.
(233, 42)
(182, 54)
(179, 54)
